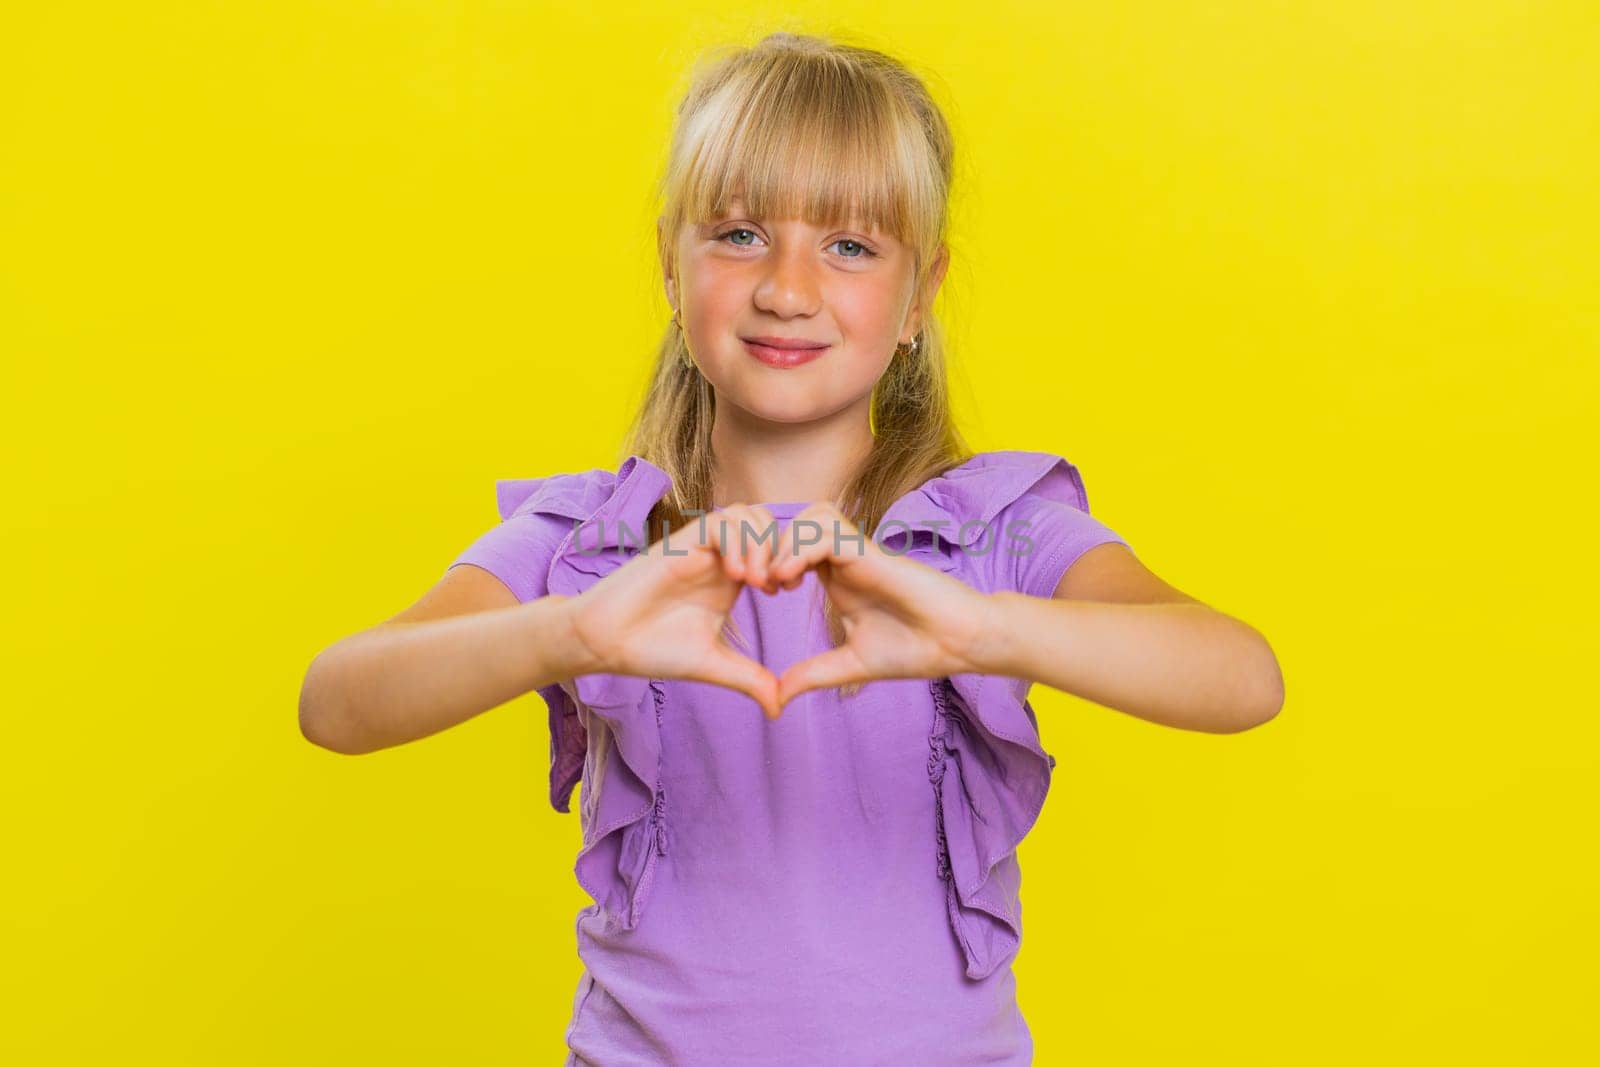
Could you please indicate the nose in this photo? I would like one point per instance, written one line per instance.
(789, 286)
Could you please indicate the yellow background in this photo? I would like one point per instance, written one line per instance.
(1307, 290)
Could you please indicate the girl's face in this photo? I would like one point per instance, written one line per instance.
(740, 278)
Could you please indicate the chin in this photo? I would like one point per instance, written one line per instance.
(780, 409)
(787, 397)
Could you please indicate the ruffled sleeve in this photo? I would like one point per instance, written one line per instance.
(1044, 531)
(561, 535)
(519, 550)
(987, 765)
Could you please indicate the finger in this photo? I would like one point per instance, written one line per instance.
(729, 668)
(701, 535)
(725, 535)
(827, 670)
(834, 538)
(797, 555)
(791, 575)
(742, 531)
(763, 543)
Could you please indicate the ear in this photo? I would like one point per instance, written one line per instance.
(664, 251)
(930, 289)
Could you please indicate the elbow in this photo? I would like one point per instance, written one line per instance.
(1259, 691)
(321, 716)
(1262, 711)
(1266, 693)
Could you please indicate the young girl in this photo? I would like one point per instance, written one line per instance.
(834, 881)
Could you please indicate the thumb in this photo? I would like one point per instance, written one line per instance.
(725, 667)
(826, 670)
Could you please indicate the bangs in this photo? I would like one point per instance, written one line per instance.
(813, 140)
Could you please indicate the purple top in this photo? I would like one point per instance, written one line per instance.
(838, 886)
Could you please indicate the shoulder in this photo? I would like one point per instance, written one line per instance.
(1029, 479)
(573, 495)
(988, 487)
(532, 548)
(583, 494)
(1022, 518)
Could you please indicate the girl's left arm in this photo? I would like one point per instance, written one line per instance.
(1118, 635)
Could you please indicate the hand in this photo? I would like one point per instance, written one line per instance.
(902, 619)
(662, 616)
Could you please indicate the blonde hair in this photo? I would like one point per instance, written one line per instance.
(805, 127)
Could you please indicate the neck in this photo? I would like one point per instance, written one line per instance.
(763, 462)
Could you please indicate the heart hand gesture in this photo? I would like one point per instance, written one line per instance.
(662, 615)
(902, 619)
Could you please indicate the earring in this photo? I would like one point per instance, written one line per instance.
(909, 350)
(683, 346)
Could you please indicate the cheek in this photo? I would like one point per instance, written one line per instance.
(713, 297)
(869, 310)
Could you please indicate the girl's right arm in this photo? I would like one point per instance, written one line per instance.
(467, 646)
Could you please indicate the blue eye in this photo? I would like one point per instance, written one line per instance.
(862, 251)
(865, 251)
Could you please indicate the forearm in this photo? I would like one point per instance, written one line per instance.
(398, 682)
(1178, 664)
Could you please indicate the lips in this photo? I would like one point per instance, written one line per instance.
(782, 352)
(790, 343)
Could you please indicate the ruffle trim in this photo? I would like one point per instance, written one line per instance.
(605, 729)
(986, 764)
(989, 770)
(956, 512)
(990, 778)
(624, 817)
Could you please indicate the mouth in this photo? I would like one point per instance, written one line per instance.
(783, 352)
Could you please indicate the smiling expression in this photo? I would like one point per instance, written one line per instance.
(846, 293)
